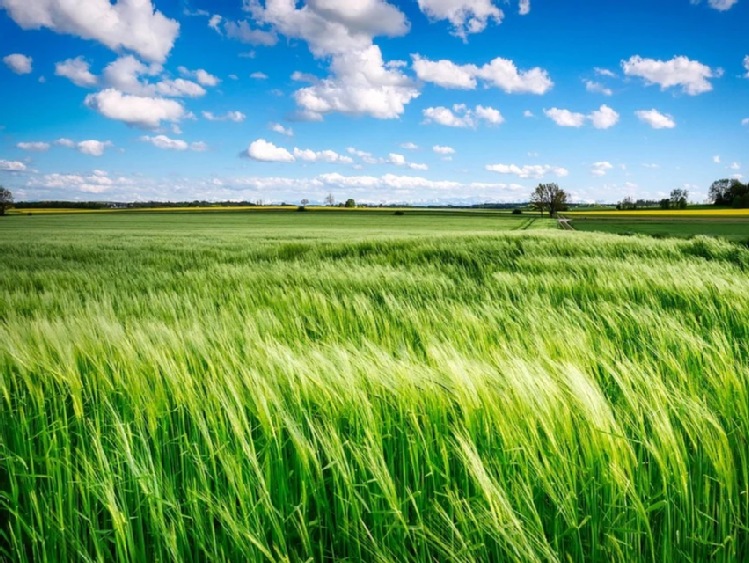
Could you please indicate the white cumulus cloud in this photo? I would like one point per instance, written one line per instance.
(92, 147)
(235, 116)
(265, 151)
(281, 130)
(443, 150)
(445, 73)
(499, 73)
(18, 63)
(130, 24)
(77, 71)
(604, 117)
(565, 117)
(12, 166)
(597, 88)
(164, 142)
(202, 76)
(360, 82)
(692, 76)
(656, 119)
(126, 75)
(140, 111)
(462, 116)
(465, 16)
(601, 168)
(529, 170)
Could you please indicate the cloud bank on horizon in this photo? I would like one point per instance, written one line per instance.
(434, 101)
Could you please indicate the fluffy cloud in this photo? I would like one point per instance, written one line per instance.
(445, 73)
(363, 155)
(445, 151)
(265, 151)
(77, 71)
(466, 16)
(33, 146)
(461, 116)
(67, 143)
(140, 111)
(259, 76)
(332, 27)
(499, 73)
(409, 146)
(529, 170)
(692, 76)
(125, 74)
(597, 88)
(12, 166)
(656, 119)
(400, 160)
(130, 24)
(361, 82)
(524, 8)
(746, 66)
(164, 142)
(745, 122)
(281, 130)
(235, 116)
(202, 76)
(601, 168)
(97, 182)
(243, 32)
(716, 159)
(92, 147)
(503, 74)
(18, 63)
(565, 117)
(308, 155)
(602, 118)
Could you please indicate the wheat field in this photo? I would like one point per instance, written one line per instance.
(369, 388)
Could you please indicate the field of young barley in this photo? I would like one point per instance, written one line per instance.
(369, 388)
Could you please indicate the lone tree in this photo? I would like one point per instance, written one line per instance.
(551, 197)
(6, 200)
(305, 202)
(330, 200)
(350, 203)
(679, 199)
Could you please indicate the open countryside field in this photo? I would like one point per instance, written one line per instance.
(729, 224)
(369, 387)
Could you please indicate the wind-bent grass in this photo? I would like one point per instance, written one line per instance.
(234, 395)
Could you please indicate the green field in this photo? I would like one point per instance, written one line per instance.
(737, 231)
(729, 224)
(369, 387)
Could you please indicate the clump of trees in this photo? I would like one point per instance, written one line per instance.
(729, 192)
(6, 200)
(678, 199)
(551, 197)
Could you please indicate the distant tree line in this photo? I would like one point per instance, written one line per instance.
(679, 199)
(130, 205)
(729, 192)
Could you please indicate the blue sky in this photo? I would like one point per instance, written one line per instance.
(422, 101)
